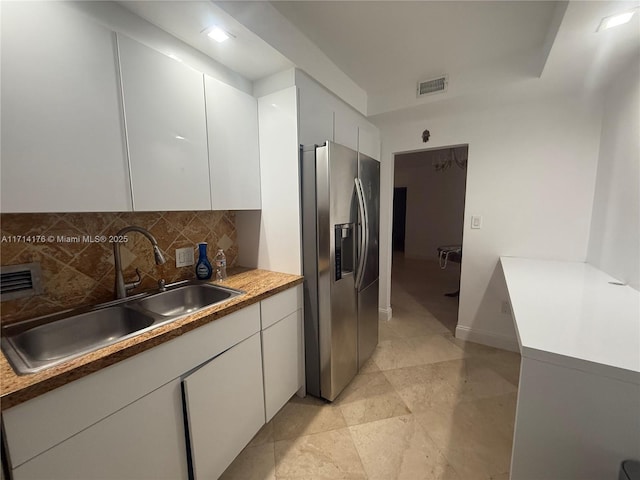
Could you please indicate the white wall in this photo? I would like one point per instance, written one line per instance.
(435, 202)
(531, 175)
(614, 244)
(271, 238)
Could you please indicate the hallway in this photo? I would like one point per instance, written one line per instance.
(425, 406)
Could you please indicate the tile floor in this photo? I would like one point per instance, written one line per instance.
(425, 406)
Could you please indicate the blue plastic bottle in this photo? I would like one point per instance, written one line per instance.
(203, 267)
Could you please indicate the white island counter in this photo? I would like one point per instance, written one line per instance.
(578, 414)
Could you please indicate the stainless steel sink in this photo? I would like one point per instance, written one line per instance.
(185, 299)
(36, 344)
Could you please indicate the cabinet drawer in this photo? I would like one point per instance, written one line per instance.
(39, 424)
(280, 305)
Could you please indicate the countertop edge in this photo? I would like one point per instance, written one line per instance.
(575, 362)
(80, 367)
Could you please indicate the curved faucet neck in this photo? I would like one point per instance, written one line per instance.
(122, 287)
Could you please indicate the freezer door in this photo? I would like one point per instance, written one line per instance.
(329, 219)
(336, 170)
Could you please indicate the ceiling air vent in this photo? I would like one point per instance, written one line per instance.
(18, 281)
(434, 85)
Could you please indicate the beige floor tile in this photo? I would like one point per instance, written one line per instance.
(264, 435)
(503, 362)
(502, 410)
(385, 332)
(422, 386)
(399, 448)
(415, 325)
(409, 352)
(499, 476)
(468, 435)
(370, 397)
(395, 353)
(434, 348)
(253, 463)
(304, 416)
(322, 456)
(474, 379)
(506, 364)
(369, 367)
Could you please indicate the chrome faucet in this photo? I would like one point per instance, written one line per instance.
(121, 286)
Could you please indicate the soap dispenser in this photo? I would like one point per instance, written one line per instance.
(203, 267)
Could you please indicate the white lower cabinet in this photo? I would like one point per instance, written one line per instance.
(283, 362)
(224, 404)
(144, 440)
(282, 348)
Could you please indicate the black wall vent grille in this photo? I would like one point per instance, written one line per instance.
(19, 281)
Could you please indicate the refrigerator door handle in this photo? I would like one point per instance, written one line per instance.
(364, 233)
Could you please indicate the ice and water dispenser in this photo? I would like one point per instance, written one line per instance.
(344, 249)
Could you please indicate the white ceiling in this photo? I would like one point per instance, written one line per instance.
(381, 49)
(385, 45)
(536, 47)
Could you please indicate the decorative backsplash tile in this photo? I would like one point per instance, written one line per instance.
(76, 256)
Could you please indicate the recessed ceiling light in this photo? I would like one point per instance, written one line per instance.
(615, 20)
(218, 34)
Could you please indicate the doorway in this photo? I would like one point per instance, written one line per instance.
(399, 218)
(428, 221)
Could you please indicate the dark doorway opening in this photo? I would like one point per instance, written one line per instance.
(427, 231)
(399, 218)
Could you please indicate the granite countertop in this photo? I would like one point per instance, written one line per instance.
(258, 285)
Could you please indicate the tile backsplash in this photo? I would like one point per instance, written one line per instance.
(78, 272)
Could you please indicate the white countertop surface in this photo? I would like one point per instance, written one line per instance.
(569, 314)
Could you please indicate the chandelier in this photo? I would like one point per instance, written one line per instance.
(446, 158)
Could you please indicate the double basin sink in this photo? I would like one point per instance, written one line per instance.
(40, 343)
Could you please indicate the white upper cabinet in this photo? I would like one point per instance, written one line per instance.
(234, 160)
(166, 130)
(316, 112)
(62, 134)
(346, 126)
(369, 141)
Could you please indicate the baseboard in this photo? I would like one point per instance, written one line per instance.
(504, 342)
(384, 313)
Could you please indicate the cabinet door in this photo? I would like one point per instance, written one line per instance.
(234, 160)
(283, 365)
(316, 113)
(62, 134)
(369, 141)
(166, 130)
(346, 126)
(144, 440)
(224, 402)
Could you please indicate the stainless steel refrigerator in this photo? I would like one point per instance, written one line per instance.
(340, 191)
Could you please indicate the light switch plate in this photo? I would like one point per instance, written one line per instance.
(476, 221)
(184, 257)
